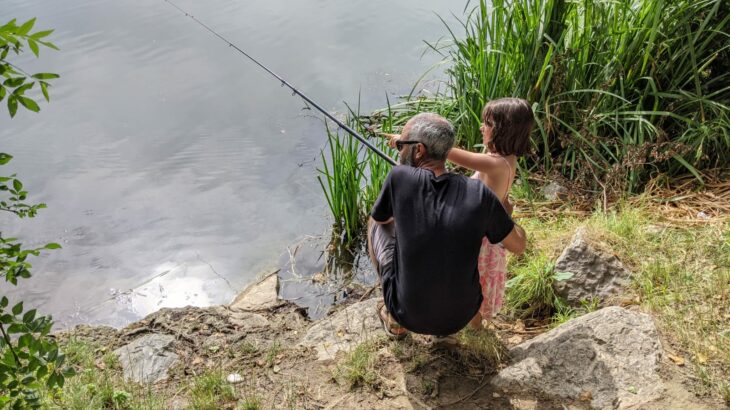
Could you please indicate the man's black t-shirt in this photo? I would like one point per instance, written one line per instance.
(433, 286)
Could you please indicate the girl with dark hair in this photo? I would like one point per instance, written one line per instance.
(506, 127)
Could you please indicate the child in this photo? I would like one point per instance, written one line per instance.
(506, 127)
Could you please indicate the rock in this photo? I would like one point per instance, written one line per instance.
(610, 357)
(261, 295)
(344, 330)
(594, 273)
(554, 191)
(146, 360)
(247, 321)
(234, 378)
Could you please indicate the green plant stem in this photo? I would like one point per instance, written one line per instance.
(10, 345)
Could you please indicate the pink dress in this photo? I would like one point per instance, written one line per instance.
(492, 266)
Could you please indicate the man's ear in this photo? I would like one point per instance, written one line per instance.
(420, 151)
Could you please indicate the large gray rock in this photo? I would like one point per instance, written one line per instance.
(146, 359)
(261, 295)
(610, 357)
(344, 330)
(595, 273)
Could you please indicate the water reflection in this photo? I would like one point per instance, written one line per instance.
(161, 144)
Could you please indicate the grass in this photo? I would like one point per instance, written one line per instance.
(99, 383)
(681, 274)
(357, 369)
(351, 178)
(482, 345)
(530, 291)
(272, 353)
(620, 88)
(211, 391)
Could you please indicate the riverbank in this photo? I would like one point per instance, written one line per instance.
(261, 352)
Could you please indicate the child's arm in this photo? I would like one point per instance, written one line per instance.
(392, 138)
(478, 162)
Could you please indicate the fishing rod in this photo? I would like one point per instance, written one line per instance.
(285, 83)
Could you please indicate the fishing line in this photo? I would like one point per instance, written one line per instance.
(285, 83)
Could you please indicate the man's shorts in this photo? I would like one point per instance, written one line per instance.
(382, 240)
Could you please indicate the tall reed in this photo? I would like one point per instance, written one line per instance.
(351, 178)
(621, 88)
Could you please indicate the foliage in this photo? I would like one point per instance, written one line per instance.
(621, 89)
(29, 359)
(14, 37)
(358, 367)
(530, 291)
(351, 178)
(210, 391)
(680, 273)
(100, 382)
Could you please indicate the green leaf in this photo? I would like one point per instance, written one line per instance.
(23, 88)
(41, 34)
(17, 185)
(18, 309)
(29, 316)
(561, 276)
(12, 105)
(49, 44)
(2, 92)
(689, 167)
(45, 76)
(52, 245)
(9, 26)
(33, 47)
(26, 27)
(29, 104)
(24, 340)
(44, 90)
(14, 82)
(4, 302)
(51, 381)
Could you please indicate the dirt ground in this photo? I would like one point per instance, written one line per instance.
(413, 373)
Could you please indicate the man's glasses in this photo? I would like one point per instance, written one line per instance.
(399, 144)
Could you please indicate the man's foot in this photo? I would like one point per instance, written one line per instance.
(390, 326)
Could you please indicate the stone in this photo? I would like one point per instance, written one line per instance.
(234, 378)
(554, 191)
(146, 359)
(344, 330)
(261, 295)
(595, 273)
(610, 357)
(248, 321)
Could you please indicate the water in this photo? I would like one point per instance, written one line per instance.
(176, 171)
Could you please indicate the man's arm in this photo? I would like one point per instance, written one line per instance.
(516, 240)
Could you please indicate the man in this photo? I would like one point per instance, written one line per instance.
(425, 231)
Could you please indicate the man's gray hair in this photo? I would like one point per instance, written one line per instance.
(434, 131)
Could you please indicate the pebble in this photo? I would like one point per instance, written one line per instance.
(234, 378)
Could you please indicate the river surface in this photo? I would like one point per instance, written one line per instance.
(175, 171)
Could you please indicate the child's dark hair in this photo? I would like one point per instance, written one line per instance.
(511, 120)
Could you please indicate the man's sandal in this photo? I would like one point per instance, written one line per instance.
(391, 328)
